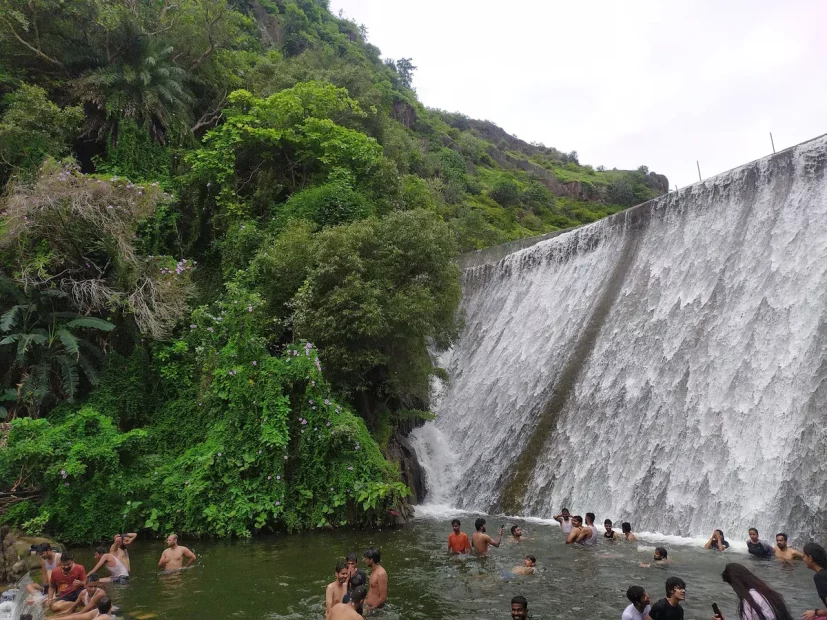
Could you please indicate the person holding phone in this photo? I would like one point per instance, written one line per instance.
(756, 599)
(482, 541)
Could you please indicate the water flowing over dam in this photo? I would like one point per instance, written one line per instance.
(664, 366)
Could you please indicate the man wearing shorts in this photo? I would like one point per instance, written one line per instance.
(65, 584)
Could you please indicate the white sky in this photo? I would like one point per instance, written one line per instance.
(622, 82)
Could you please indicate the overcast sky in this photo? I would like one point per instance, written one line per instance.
(623, 83)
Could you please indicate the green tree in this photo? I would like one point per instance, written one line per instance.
(49, 348)
(379, 291)
(506, 193)
(33, 128)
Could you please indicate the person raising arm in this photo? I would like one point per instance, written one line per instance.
(481, 541)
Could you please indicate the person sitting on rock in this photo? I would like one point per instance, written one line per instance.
(49, 559)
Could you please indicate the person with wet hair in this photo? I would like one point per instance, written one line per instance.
(378, 591)
(756, 599)
(815, 557)
(352, 610)
(564, 519)
(519, 608)
(577, 529)
(338, 588)
(458, 542)
(528, 567)
(119, 547)
(91, 595)
(609, 533)
(757, 547)
(717, 542)
(481, 541)
(118, 573)
(626, 528)
(784, 552)
(516, 532)
(588, 533)
(358, 579)
(669, 608)
(640, 604)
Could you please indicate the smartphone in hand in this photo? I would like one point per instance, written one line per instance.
(717, 611)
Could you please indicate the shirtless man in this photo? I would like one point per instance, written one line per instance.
(480, 541)
(173, 556)
(378, 592)
(529, 564)
(336, 590)
(101, 612)
(89, 598)
(783, 552)
(352, 610)
(564, 519)
(626, 527)
(49, 559)
(576, 529)
(119, 547)
(118, 573)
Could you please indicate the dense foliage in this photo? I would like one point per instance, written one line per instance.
(227, 236)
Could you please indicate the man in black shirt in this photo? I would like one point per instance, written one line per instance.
(758, 547)
(815, 557)
(669, 608)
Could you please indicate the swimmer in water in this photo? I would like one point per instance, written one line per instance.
(564, 519)
(458, 540)
(352, 610)
(576, 529)
(528, 567)
(336, 591)
(660, 558)
(610, 533)
(481, 541)
(173, 556)
(519, 608)
(626, 528)
(516, 533)
(717, 542)
(588, 532)
(783, 552)
(378, 591)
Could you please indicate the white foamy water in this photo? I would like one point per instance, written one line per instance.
(699, 404)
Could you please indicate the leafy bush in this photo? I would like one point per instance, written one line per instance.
(32, 129)
(506, 193)
(326, 205)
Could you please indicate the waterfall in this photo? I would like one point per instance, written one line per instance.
(664, 366)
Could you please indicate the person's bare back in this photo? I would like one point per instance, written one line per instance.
(343, 611)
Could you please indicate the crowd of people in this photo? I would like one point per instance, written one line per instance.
(68, 592)
(756, 599)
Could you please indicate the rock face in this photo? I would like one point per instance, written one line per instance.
(404, 113)
(658, 182)
(400, 451)
(16, 557)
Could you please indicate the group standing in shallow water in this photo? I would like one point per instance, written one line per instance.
(347, 597)
(72, 594)
(756, 599)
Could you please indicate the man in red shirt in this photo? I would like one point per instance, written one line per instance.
(458, 541)
(65, 584)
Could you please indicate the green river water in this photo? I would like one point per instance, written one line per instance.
(285, 576)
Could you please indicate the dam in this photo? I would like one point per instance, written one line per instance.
(665, 365)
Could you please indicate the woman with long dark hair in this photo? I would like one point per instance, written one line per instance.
(756, 599)
(717, 542)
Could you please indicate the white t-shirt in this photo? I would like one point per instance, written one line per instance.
(566, 526)
(631, 613)
(749, 614)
